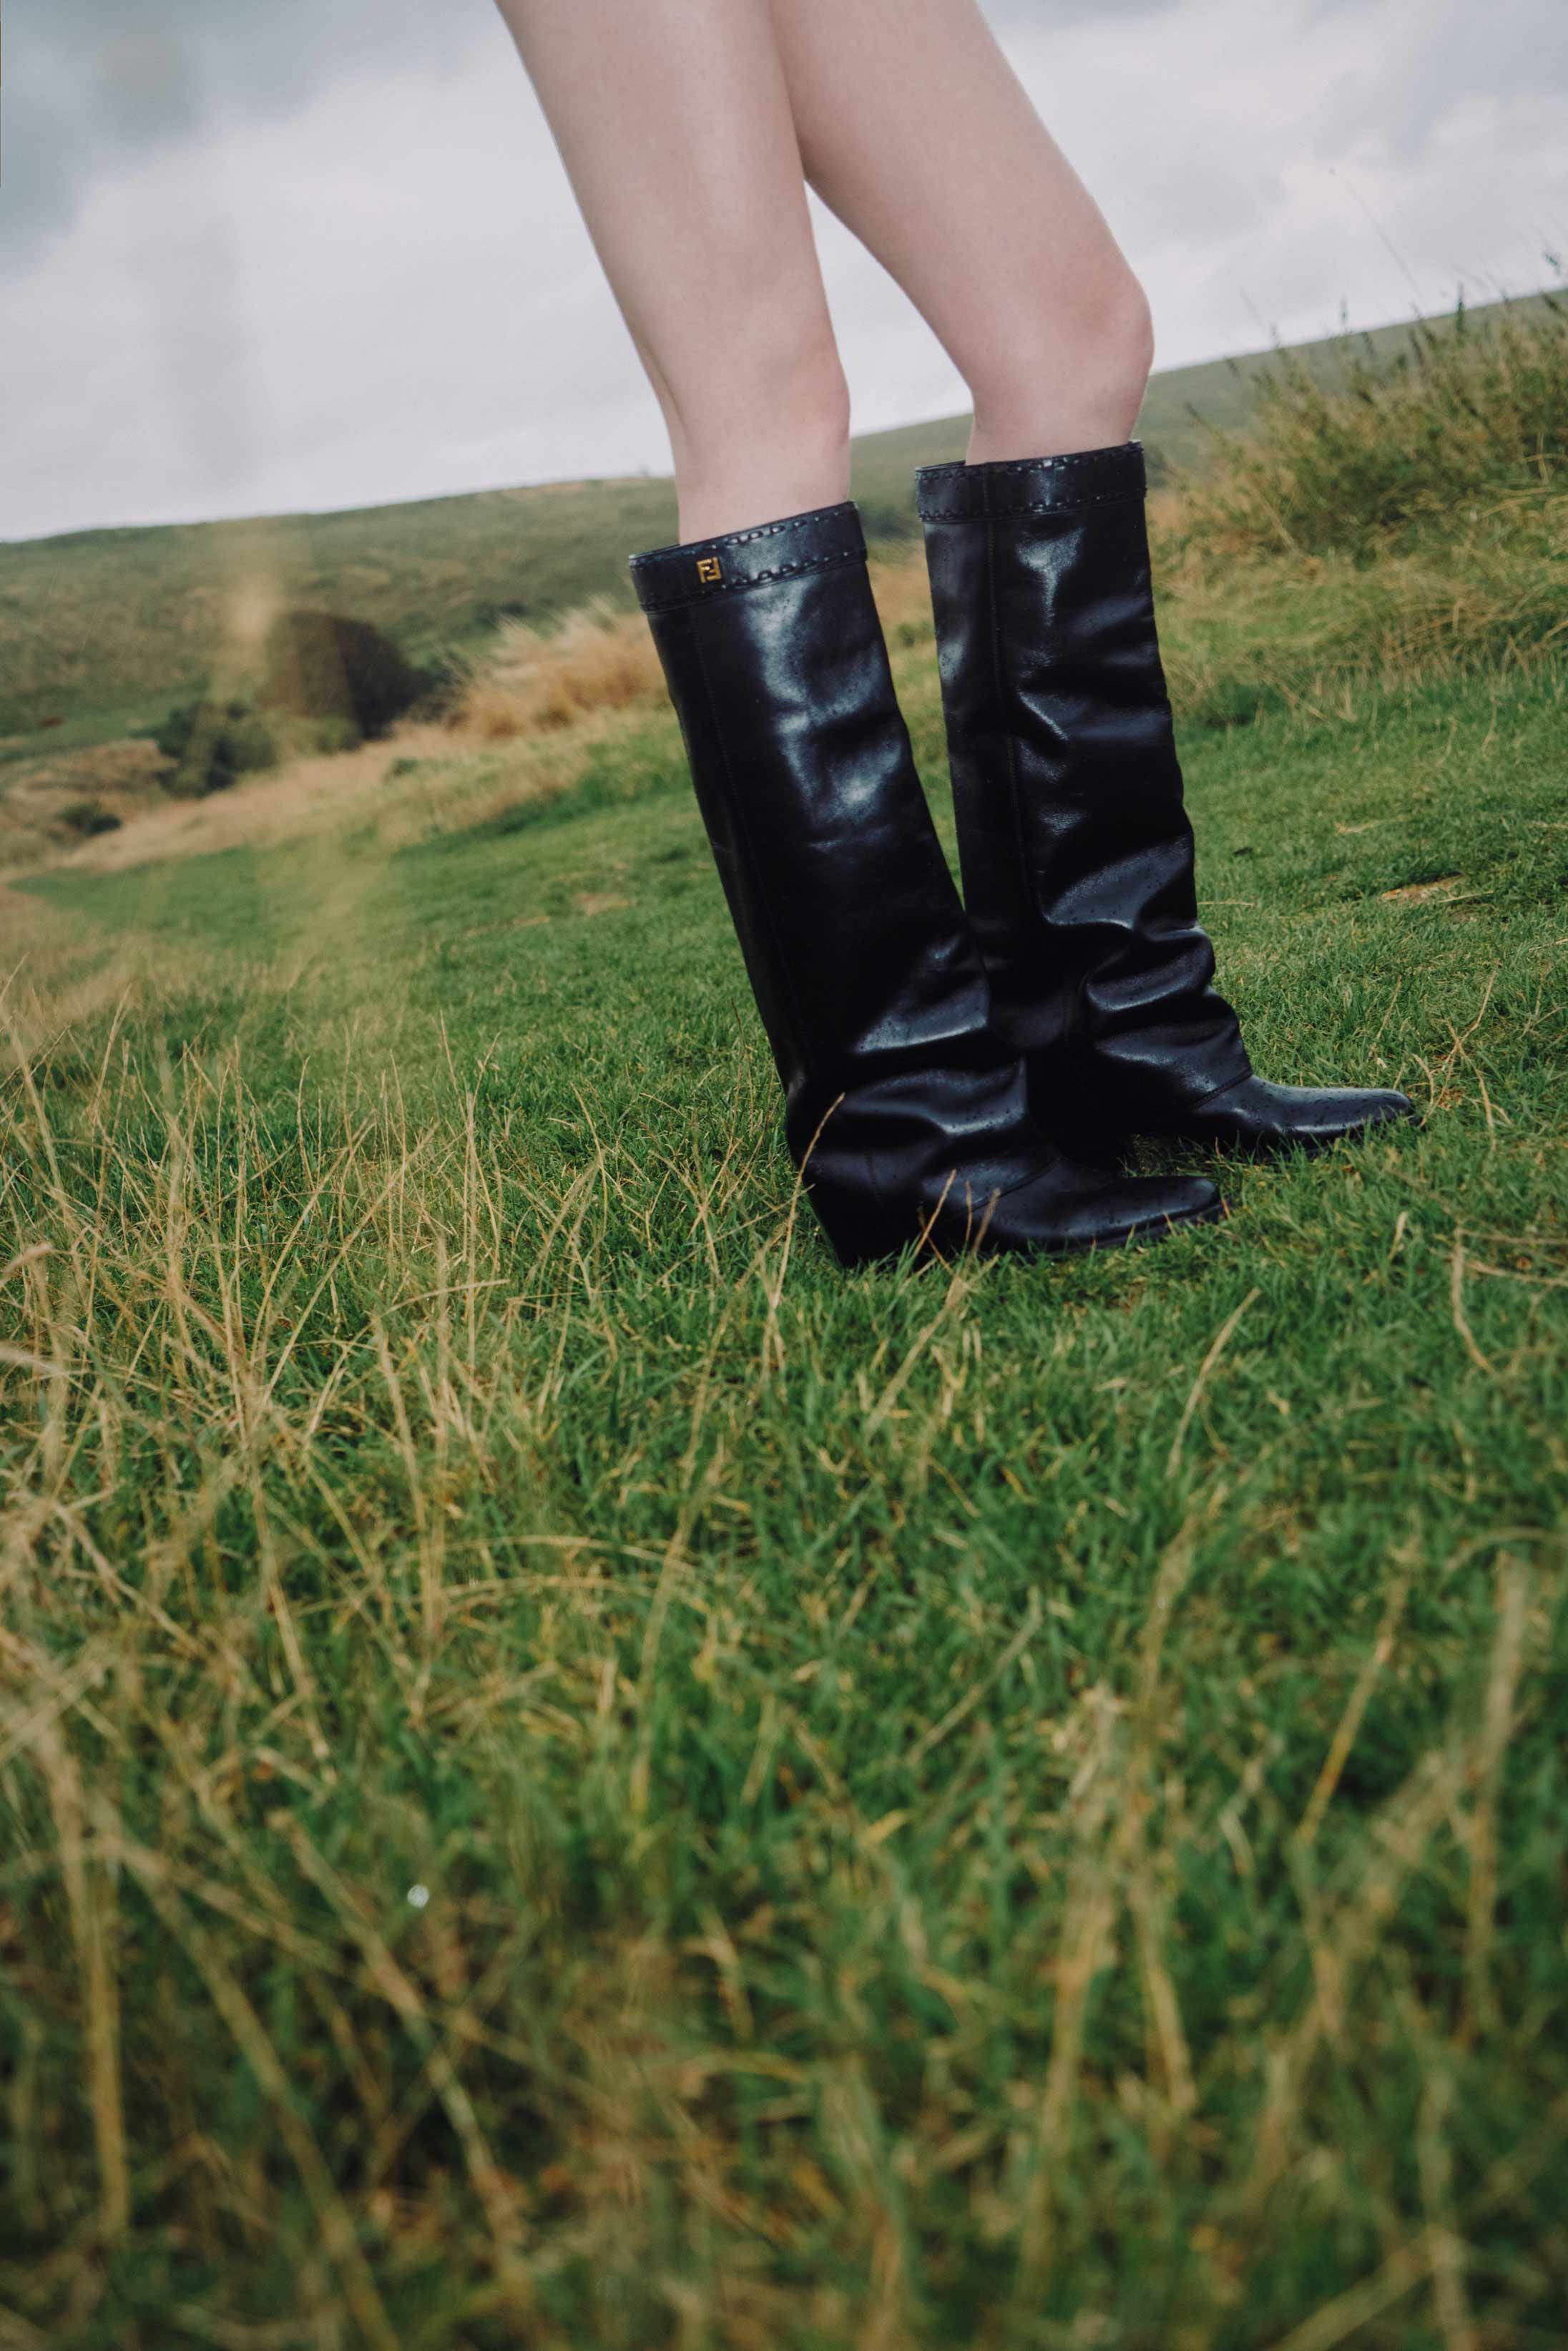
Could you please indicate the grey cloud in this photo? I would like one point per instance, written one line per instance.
(327, 255)
(1508, 49)
(92, 84)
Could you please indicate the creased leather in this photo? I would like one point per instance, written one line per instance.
(900, 1104)
(1075, 847)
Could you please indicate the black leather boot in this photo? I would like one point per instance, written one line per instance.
(910, 1120)
(1076, 850)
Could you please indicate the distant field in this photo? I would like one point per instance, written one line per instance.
(104, 630)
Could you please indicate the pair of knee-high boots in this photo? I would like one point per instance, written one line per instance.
(959, 1076)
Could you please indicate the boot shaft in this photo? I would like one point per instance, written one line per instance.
(855, 942)
(1076, 850)
(909, 1119)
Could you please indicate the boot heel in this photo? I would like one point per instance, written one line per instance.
(858, 1230)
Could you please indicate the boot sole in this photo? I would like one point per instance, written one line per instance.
(1310, 1146)
(1159, 1230)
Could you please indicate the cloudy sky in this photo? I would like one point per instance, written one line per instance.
(263, 254)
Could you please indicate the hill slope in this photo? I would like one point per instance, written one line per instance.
(104, 630)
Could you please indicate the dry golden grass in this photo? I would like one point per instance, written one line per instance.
(1387, 450)
(520, 733)
(903, 596)
(420, 780)
(124, 779)
(1306, 631)
(303, 797)
(538, 681)
(534, 681)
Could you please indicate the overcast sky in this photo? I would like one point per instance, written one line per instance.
(263, 254)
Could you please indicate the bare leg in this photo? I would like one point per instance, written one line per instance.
(674, 120)
(917, 131)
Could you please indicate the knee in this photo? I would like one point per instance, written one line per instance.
(1077, 365)
(791, 387)
(1100, 333)
(767, 433)
(1129, 339)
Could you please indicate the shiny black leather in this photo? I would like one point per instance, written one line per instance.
(910, 1122)
(1073, 837)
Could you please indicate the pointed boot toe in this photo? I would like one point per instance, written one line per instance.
(1143, 1208)
(1079, 1205)
(1258, 1118)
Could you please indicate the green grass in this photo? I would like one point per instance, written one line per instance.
(1392, 447)
(1004, 1806)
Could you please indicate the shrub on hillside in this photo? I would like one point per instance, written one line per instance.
(212, 743)
(1463, 415)
(319, 665)
(87, 819)
(445, 680)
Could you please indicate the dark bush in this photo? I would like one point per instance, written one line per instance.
(320, 665)
(211, 743)
(442, 683)
(86, 818)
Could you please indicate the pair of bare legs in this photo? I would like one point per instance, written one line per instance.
(690, 128)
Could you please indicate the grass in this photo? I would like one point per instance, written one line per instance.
(572, 1777)
(1393, 445)
(531, 681)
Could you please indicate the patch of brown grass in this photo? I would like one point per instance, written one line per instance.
(535, 681)
(903, 597)
(122, 779)
(422, 780)
(539, 682)
(308, 794)
(1385, 451)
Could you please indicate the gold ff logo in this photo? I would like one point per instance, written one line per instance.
(708, 571)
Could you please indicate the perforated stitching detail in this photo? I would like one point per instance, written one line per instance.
(1036, 506)
(699, 546)
(1074, 467)
(1121, 456)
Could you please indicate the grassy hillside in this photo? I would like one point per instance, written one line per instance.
(572, 1778)
(104, 630)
